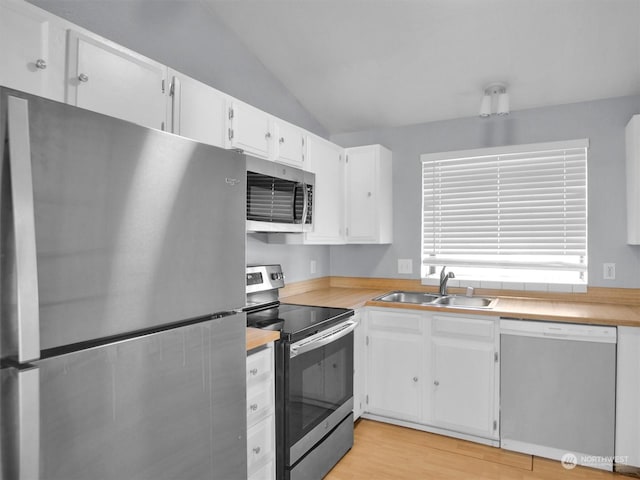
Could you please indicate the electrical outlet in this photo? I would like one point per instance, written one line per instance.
(609, 271)
(313, 266)
(405, 265)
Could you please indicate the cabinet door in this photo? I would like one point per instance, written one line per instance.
(361, 211)
(464, 375)
(115, 81)
(395, 365)
(250, 129)
(290, 144)
(325, 159)
(198, 111)
(32, 50)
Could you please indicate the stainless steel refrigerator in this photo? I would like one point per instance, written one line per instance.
(122, 264)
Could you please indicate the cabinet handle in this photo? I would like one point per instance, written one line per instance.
(254, 407)
(267, 135)
(368, 194)
(281, 140)
(41, 64)
(256, 450)
(253, 371)
(415, 379)
(436, 383)
(83, 78)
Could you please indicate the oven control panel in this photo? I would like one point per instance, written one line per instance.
(264, 277)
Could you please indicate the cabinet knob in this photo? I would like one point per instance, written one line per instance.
(256, 450)
(415, 379)
(436, 383)
(83, 78)
(253, 371)
(267, 135)
(368, 194)
(254, 407)
(41, 64)
(281, 140)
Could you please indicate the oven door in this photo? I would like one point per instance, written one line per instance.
(318, 387)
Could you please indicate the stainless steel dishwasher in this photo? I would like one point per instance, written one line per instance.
(557, 391)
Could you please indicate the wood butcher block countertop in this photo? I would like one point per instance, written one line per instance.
(588, 312)
(257, 338)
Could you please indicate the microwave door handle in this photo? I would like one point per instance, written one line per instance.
(305, 207)
(296, 350)
(27, 298)
(296, 186)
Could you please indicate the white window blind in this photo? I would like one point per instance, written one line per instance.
(518, 211)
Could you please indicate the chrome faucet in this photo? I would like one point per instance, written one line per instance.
(444, 278)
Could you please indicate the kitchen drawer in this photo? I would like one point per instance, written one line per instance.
(259, 366)
(260, 444)
(266, 472)
(259, 401)
(396, 321)
(478, 328)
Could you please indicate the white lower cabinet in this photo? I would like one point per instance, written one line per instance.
(261, 445)
(395, 364)
(464, 371)
(437, 372)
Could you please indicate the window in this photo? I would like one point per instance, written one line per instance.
(507, 214)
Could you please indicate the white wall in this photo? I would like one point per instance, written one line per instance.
(603, 122)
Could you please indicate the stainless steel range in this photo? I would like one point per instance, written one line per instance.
(314, 376)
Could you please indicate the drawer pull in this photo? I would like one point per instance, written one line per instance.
(253, 371)
(256, 450)
(254, 407)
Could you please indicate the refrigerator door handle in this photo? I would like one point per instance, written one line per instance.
(28, 320)
(23, 457)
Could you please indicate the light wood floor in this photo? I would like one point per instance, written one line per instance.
(383, 451)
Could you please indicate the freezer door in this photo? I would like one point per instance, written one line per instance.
(134, 227)
(170, 405)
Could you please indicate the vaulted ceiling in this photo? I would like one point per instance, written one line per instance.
(363, 64)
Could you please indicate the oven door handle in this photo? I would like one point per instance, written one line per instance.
(307, 345)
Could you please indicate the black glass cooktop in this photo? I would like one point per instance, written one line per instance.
(297, 321)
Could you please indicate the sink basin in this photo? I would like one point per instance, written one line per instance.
(470, 302)
(421, 298)
(408, 297)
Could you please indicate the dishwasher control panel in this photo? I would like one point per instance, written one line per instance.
(565, 331)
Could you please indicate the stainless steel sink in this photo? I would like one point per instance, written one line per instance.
(468, 302)
(419, 298)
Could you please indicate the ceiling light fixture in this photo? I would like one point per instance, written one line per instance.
(495, 95)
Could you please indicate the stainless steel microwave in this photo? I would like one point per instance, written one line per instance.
(279, 197)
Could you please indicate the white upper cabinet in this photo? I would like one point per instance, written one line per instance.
(250, 129)
(369, 214)
(197, 110)
(32, 50)
(290, 144)
(633, 180)
(326, 160)
(109, 79)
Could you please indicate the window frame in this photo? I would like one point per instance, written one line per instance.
(429, 273)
